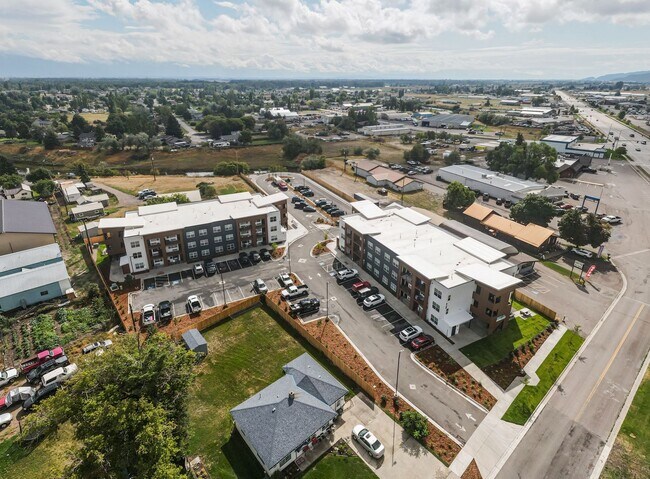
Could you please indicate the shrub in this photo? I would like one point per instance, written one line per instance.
(313, 162)
(415, 424)
(230, 168)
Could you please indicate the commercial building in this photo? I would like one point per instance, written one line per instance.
(497, 185)
(381, 176)
(531, 112)
(445, 120)
(447, 280)
(32, 276)
(167, 234)
(286, 419)
(24, 225)
(570, 145)
(385, 129)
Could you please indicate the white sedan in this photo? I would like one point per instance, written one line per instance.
(7, 376)
(194, 304)
(612, 220)
(148, 314)
(368, 441)
(374, 300)
(582, 252)
(5, 420)
(409, 333)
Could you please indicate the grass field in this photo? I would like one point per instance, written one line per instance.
(495, 347)
(630, 456)
(339, 467)
(92, 117)
(174, 183)
(390, 151)
(246, 355)
(529, 397)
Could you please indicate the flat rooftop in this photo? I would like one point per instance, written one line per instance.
(488, 177)
(560, 138)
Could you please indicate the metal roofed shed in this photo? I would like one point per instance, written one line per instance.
(194, 341)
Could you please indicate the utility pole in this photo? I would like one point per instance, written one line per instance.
(289, 256)
(153, 170)
(399, 355)
(223, 289)
(137, 333)
(87, 240)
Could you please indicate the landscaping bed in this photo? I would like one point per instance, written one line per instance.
(444, 366)
(321, 248)
(340, 462)
(472, 471)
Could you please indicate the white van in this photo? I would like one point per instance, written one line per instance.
(59, 374)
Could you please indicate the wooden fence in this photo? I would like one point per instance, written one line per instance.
(252, 184)
(536, 305)
(327, 186)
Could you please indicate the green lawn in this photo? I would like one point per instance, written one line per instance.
(246, 354)
(630, 457)
(229, 189)
(530, 396)
(560, 269)
(495, 347)
(332, 466)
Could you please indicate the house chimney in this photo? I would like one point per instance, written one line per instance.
(292, 395)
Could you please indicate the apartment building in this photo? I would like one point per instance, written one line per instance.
(448, 281)
(168, 234)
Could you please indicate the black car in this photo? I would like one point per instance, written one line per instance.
(309, 209)
(165, 311)
(254, 257)
(44, 392)
(265, 255)
(590, 170)
(499, 201)
(244, 260)
(296, 199)
(210, 268)
(35, 374)
(305, 306)
(328, 208)
(336, 213)
(308, 193)
(300, 205)
(300, 187)
(321, 202)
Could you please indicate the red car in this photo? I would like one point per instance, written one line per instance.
(40, 358)
(358, 286)
(421, 342)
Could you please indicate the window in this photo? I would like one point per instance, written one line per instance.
(386, 256)
(377, 260)
(435, 306)
(191, 244)
(216, 229)
(488, 312)
(497, 299)
(285, 459)
(475, 304)
(491, 298)
(218, 249)
(230, 247)
(386, 268)
(203, 232)
(377, 250)
(193, 255)
(230, 237)
(273, 219)
(228, 227)
(274, 228)
(139, 266)
(376, 272)
(370, 245)
(437, 293)
(204, 242)
(370, 256)
(217, 239)
(190, 234)
(478, 289)
(205, 252)
(395, 263)
(433, 319)
(44, 293)
(137, 255)
(393, 287)
(384, 279)
(393, 274)
(135, 244)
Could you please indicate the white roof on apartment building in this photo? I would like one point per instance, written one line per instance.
(260, 201)
(170, 216)
(488, 276)
(127, 222)
(368, 209)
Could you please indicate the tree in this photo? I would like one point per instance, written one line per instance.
(246, 137)
(572, 228)
(81, 171)
(458, 196)
(533, 209)
(415, 424)
(621, 114)
(178, 198)
(10, 181)
(313, 162)
(207, 190)
(38, 174)
(373, 153)
(110, 144)
(50, 140)
(6, 167)
(79, 125)
(45, 188)
(129, 411)
(452, 158)
(276, 130)
(173, 127)
(597, 232)
(417, 153)
(230, 168)
(293, 145)
(520, 139)
(99, 133)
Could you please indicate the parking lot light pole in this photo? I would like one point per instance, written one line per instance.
(289, 256)
(399, 356)
(135, 330)
(223, 289)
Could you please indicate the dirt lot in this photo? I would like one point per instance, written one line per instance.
(173, 183)
(391, 151)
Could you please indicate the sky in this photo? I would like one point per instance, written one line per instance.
(328, 39)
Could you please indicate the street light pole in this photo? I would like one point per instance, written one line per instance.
(289, 256)
(153, 170)
(137, 333)
(399, 356)
(223, 289)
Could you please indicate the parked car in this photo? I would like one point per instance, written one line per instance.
(507, 203)
(337, 213)
(255, 257)
(329, 207)
(165, 311)
(41, 394)
(499, 201)
(40, 358)
(346, 274)
(210, 268)
(194, 304)
(565, 207)
(373, 301)
(296, 199)
(309, 209)
(409, 333)
(574, 196)
(244, 260)
(300, 205)
(265, 255)
(422, 342)
(5, 420)
(321, 202)
(89, 348)
(294, 292)
(307, 193)
(612, 220)
(486, 197)
(15, 396)
(260, 286)
(7, 376)
(285, 280)
(305, 307)
(368, 441)
(358, 286)
(59, 374)
(582, 209)
(364, 293)
(198, 270)
(582, 252)
(35, 375)
(148, 314)
(590, 170)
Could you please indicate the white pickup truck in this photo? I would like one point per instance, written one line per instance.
(7, 376)
(293, 292)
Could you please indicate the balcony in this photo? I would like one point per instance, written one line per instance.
(155, 253)
(245, 234)
(174, 259)
(154, 242)
(172, 249)
(259, 223)
(158, 263)
(406, 275)
(259, 232)
(171, 239)
(244, 225)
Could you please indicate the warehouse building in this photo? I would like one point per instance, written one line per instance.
(446, 120)
(24, 225)
(386, 129)
(447, 280)
(569, 145)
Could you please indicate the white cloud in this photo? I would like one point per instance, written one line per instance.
(346, 37)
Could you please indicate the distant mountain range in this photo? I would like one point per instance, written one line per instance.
(637, 77)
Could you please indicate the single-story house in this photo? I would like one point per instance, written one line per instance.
(393, 180)
(101, 198)
(194, 341)
(88, 210)
(71, 194)
(287, 418)
(32, 276)
(22, 192)
(363, 168)
(87, 140)
(92, 228)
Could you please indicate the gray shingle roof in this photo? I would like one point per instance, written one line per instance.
(314, 378)
(25, 217)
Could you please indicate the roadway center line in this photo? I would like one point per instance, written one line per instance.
(609, 363)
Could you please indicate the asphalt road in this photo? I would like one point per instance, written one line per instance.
(371, 333)
(569, 435)
(196, 137)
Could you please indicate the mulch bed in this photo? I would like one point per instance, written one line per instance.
(472, 471)
(510, 368)
(443, 365)
(321, 248)
(277, 252)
